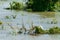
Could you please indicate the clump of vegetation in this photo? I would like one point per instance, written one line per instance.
(14, 16)
(57, 6)
(54, 30)
(19, 32)
(15, 5)
(38, 30)
(7, 17)
(0, 23)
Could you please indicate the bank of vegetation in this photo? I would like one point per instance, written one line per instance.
(42, 5)
(38, 30)
(36, 5)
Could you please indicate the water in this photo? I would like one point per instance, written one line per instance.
(28, 18)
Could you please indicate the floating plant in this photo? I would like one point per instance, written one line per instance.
(7, 17)
(1, 24)
(14, 16)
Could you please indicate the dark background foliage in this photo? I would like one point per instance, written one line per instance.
(41, 5)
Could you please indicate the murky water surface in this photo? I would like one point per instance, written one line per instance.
(28, 18)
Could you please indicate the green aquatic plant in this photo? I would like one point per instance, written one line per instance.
(14, 16)
(7, 17)
(54, 30)
(16, 5)
(38, 30)
(19, 32)
(0, 23)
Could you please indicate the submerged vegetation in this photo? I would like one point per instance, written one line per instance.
(47, 14)
(14, 16)
(7, 17)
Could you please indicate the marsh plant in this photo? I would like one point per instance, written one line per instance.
(39, 30)
(16, 5)
(36, 30)
(54, 30)
(7, 17)
(1, 24)
(14, 16)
